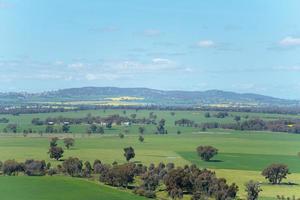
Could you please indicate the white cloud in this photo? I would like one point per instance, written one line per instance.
(90, 77)
(78, 65)
(152, 32)
(161, 61)
(289, 41)
(206, 43)
(288, 68)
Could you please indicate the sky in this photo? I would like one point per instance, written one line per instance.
(242, 46)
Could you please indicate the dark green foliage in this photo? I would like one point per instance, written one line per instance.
(142, 130)
(35, 167)
(93, 128)
(87, 171)
(129, 153)
(161, 127)
(201, 184)
(73, 167)
(253, 189)
(11, 167)
(207, 115)
(56, 152)
(206, 152)
(141, 138)
(65, 128)
(118, 175)
(53, 141)
(69, 142)
(275, 173)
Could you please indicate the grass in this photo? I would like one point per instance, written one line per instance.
(24, 120)
(239, 161)
(58, 188)
(243, 154)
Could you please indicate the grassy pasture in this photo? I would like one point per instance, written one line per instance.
(24, 121)
(58, 188)
(243, 154)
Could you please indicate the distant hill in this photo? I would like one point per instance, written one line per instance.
(151, 96)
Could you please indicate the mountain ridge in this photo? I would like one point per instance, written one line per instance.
(152, 96)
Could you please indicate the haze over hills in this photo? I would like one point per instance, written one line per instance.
(149, 96)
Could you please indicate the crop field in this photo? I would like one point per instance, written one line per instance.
(59, 188)
(242, 154)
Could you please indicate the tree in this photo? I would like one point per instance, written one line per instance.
(121, 135)
(87, 171)
(65, 128)
(49, 129)
(133, 116)
(141, 130)
(11, 167)
(35, 167)
(237, 118)
(207, 115)
(129, 153)
(73, 166)
(69, 142)
(118, 175)
(141, 138)
(206, 152)
(12, 128)
(172, 113)
(161, 126)
(53, 141)
(275, 173)
(253, 189)
(56, 152)
(95, 129)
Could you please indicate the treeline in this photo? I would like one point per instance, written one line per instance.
(48, 108)
(282, 125)
(89, 119)
(180, 181)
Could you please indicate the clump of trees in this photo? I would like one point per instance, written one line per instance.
(35, 167)
(69, 142)
(129, 153)
(206, 152)
(141, 138)
(93, 128)
(252, 189)
(189, 180)
(161, 127)
(55, 152)
(198, 183)
(118, 175)
(73, 167)
(274, 173)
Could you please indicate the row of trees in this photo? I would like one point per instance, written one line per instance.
(180, 181)
(282, 125)
(89, 119)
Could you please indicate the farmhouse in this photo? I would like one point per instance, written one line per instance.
(126, 123)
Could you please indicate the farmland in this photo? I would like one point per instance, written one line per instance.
(242, 154)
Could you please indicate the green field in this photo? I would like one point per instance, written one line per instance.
(58, 188)
(242, 154)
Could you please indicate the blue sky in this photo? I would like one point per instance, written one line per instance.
(242, 46)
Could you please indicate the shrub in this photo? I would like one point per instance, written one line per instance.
(206, 152)
(275, 173)
(253, 189)
(73, 167)
(35, 167)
